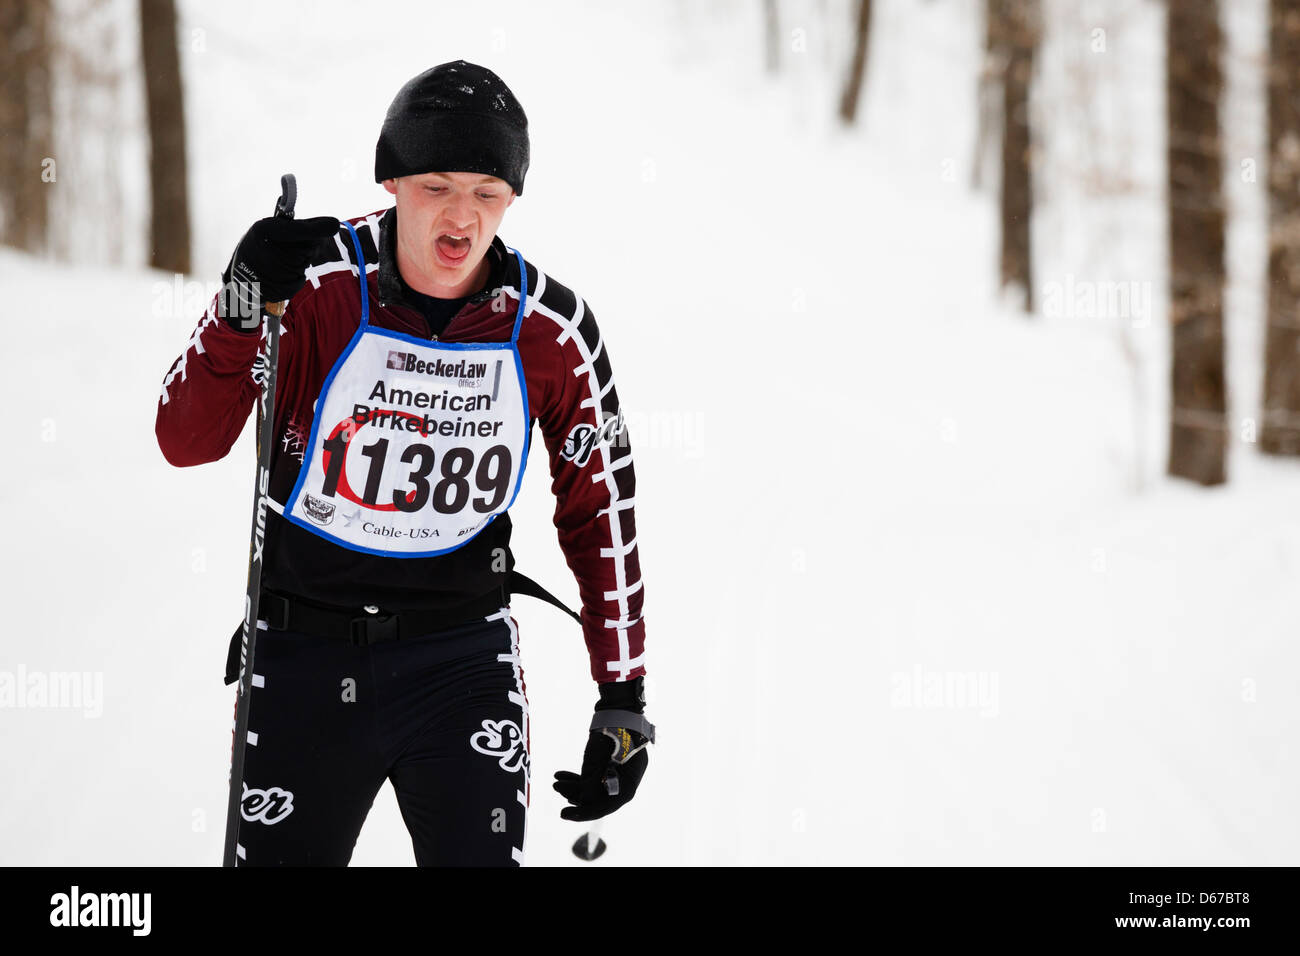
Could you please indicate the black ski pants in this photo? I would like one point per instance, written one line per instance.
(443, 716)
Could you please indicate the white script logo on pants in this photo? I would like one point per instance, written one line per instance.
(504, 739)
(265, 806)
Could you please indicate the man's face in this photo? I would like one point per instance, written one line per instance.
(445, 223)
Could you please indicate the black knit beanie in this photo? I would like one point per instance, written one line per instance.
(456, 117)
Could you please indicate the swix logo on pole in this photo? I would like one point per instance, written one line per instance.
(262, 375)
(259, 536)
(243, 644)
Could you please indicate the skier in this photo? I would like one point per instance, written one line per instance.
(416, 351)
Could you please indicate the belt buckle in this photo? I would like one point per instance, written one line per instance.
(274, 609)
(374, 627)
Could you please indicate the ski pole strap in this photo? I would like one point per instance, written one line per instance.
(626, 719)
(517, 583)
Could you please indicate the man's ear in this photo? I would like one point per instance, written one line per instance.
(391, 186)
(511, 200)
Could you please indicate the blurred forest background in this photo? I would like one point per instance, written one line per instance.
(96, 86)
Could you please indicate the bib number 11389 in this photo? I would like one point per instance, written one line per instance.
(460, 479)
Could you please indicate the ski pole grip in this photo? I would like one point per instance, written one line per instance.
(288, 196)
(284, 207)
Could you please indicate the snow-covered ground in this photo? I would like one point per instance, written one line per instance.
(916, 589)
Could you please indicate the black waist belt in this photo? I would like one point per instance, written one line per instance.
(372, 624)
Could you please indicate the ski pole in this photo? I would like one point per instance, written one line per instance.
(589, 846)
(257, 537)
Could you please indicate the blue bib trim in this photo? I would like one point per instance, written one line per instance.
(365, 328)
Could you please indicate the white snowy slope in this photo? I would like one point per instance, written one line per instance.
(903, 604)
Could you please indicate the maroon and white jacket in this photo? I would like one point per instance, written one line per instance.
(211, 388)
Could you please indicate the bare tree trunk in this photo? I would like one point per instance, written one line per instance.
(858, 67)
(1280, 428)
(988, 120)
(1193, 85)
(1013, 32)
(772, 36)
(26, 124)
(168, 180)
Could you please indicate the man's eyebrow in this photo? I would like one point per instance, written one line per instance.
(486, 180)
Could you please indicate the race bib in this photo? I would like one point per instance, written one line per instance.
(415, 447)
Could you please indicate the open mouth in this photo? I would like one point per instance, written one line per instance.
(453, 247)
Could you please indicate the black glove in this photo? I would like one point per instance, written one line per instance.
(616, 755)
(269, 265)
